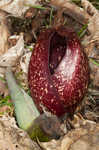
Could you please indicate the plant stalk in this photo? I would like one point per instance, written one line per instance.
(25, 109)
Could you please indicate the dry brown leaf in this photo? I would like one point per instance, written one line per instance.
(72, 10)
(89, 8)
(66, 142)
(18, 6)
(93, 22)
(96, 79)
(13, 138)
(85, 137)
(3, 88)
(5, 3)
(5, 110)
(91, 42)
(4, 32)
(24, 62)
(13, 54)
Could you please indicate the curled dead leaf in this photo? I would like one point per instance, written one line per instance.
(13, 54)
(72, 10)
(4, 32)
(93, 22)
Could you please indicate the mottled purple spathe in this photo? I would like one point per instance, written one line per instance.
(58, 70)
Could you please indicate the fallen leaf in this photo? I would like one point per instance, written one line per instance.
(13, 54)
(18, 7)
(84, 137)
(3, 88)
(93, 22)
(72, 10)
(4, 32)
(24, 62)
(5, 110)
(13, 138)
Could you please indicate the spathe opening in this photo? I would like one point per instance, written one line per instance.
(57, 51)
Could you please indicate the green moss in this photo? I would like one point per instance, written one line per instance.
(5, 101)
(35, 132)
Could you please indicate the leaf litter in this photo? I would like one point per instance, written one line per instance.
(17, 39)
